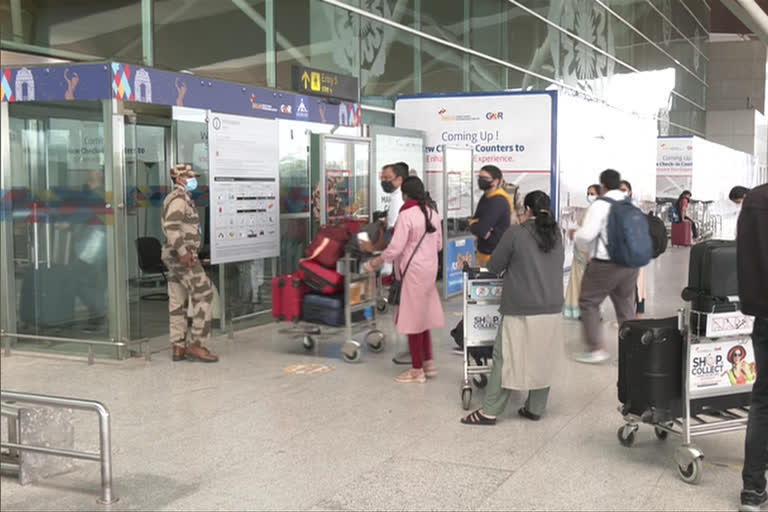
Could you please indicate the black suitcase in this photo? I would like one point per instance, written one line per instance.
(48, 297)
(329, 310)
(651, 369)
(712, 270)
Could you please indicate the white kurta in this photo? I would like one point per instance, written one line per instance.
(533, 350)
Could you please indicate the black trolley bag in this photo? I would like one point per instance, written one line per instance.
(651, 369)
(712, 270)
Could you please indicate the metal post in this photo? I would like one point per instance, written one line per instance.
(269, 33)
(417, 48)
(147, 36)
(17, 27)
(467, 44)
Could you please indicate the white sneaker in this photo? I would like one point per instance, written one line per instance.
(593, 357)
(458, 351)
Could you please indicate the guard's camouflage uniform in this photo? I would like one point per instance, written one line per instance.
(181, 226)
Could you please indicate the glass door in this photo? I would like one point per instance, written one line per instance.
(147, 183)
(61, 223)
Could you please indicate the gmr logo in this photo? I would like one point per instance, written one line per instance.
(493, 116)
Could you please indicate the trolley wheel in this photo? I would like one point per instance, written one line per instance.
(308, 342)
(382, 305)
(691, 474)
(375, 341)
(466, 398)
(480, 381)
(626, 435)
(661, 435)
(351, 352)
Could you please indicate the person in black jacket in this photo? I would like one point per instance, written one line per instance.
(752, 255)
(492, 216)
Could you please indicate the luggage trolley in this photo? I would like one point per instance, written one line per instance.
(714, 398)
(481, 299)
(375, 339)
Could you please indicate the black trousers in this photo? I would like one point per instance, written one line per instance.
(756, 445)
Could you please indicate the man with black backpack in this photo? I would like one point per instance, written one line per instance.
(616, 235)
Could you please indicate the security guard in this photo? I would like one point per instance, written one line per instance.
(186, 277)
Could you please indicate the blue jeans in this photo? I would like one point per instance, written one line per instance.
(756, 446)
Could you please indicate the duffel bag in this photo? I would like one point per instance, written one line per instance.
(319, 278)
(328, 245)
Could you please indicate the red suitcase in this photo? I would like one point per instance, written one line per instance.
(682, 234)
(321, 279)
(287, 294)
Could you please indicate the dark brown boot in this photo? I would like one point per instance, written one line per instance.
(202, 354)
(178, 353)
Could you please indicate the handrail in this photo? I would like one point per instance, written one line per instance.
(143, 342)
(105, 436)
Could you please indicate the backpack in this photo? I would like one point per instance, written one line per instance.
(629, 241)
(673, 215)
(658, 232)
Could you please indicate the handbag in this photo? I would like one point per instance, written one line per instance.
(395, 289)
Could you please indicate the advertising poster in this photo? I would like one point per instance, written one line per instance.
(722, 366)
(457, 252)
(513, 131)
(674, 166)
(339, 194)
(483, 323)
(244, 188)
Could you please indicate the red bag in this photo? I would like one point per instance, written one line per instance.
(682, 233)
(328, 245)
(321, 279)
(287, 294)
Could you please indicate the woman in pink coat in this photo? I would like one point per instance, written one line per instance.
(420, 308)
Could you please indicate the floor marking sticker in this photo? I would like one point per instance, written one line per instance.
(309, 369)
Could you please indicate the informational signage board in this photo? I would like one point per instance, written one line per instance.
(392, 145)
(324, 83)
(721, 367)
(244, 180)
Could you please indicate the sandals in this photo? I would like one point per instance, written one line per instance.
(477, 418)
(525, 413)
(412, 375)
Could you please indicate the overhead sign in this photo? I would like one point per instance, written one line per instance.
(324, 83)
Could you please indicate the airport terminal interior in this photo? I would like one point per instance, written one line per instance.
(283, 123)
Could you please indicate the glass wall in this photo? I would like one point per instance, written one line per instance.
(393, 46)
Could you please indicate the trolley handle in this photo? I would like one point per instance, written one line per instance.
(477, 272)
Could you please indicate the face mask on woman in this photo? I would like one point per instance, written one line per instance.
(484, 184)
(591, 199)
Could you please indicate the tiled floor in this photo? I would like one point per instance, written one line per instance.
(245, 434)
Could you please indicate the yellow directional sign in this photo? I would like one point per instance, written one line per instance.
(315, 81)
(305, 79)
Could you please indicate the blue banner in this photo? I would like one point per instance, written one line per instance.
(55, 83)
(457, 252)
(66, 82)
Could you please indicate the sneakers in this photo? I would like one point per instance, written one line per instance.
(752, 500)
(593, 357)
(458, 351)
(412, 375)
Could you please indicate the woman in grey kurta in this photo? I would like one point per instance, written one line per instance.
(529, 340)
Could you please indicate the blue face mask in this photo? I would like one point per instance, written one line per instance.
(191, 184)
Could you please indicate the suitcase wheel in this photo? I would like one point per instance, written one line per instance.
(480, 381)
(308, 342)
(626, 435)
(661, 435)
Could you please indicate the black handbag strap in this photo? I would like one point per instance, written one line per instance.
(402, 276)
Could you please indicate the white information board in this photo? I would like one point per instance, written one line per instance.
(389, 149)
(244, 193)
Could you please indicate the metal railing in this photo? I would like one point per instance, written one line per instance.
(104, 456)
(143, 343)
